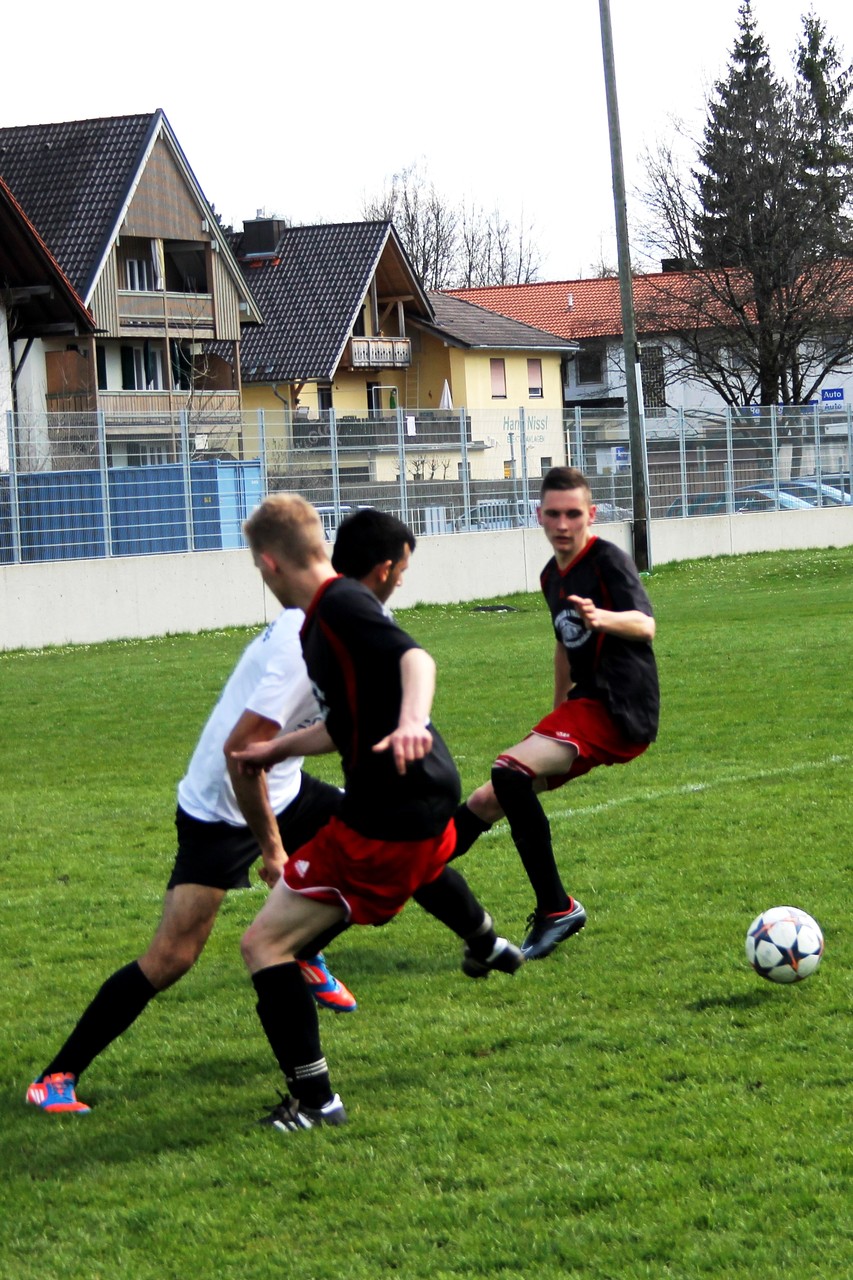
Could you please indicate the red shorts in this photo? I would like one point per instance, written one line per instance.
(589, 726)
(371, 879)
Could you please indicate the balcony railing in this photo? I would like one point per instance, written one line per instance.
(379, 353)
(147, 309)
(131, 406)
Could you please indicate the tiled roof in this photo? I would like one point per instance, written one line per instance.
(25, 262)
(477, 326)
(592, 308)
(310, 291)
(72, 180)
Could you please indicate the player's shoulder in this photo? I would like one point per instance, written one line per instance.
(283, 629)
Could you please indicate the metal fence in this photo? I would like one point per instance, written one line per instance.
(80, 485)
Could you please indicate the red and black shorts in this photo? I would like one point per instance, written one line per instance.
(371, 879)
(588, 726)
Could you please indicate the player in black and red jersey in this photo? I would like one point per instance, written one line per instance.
(394, 832)
(606, 698)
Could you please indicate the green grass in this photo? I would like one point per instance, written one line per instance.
(639, 1105)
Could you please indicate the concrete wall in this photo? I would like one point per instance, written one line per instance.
(85, 601)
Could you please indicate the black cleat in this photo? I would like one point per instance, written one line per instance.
(291, 1114)
(503, 958)
(545, 932)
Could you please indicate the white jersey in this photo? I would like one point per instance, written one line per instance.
(270, 679)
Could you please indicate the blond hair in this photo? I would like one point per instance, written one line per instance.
(287, 524)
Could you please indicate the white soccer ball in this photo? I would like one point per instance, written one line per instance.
(784, 944)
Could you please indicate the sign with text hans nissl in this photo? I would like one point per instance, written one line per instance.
(830, 394)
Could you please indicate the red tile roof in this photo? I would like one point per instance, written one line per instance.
(586, 308)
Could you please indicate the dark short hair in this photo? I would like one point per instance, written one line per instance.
(565, 478)
(367, 538)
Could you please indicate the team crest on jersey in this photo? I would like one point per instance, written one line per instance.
(570, 628)
(321, 700)
(301, 866)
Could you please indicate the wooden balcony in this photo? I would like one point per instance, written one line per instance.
(379, 353)
(134, 407)
(153, 312)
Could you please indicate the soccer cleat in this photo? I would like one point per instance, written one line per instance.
(325, 987)
(545, 932)
(56, 1094)
(290, 1115)
(503, 958)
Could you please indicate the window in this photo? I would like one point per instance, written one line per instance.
(142, 368)
(652, 373)
(324, 397)
(139, 274)
(509, 468)
(534, 379)
(498, 373)
(589, 366)
(101, 365)
(461, 468)
(545, 465)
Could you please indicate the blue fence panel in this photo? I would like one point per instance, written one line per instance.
(61, 515)
(204, 482)
(7, 543)
(148, 510)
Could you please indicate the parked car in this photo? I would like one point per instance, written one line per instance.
(818, 492)
(751, 497)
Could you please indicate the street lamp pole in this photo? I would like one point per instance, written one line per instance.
(636, 422)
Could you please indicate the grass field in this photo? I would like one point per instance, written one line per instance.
(639, 1105)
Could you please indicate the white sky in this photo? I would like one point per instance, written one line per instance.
(304, 110)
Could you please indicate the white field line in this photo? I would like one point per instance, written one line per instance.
(691, 788)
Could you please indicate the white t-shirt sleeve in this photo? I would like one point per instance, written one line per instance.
(283, 693)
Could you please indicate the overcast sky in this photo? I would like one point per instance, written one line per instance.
(304, 110)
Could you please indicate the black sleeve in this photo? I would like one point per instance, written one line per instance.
(622, 584)
(357, 617)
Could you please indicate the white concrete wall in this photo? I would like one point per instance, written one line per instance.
(85, 601)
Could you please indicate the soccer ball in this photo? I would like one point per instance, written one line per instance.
(784, 944)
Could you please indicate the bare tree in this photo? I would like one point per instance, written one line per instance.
(454, 245)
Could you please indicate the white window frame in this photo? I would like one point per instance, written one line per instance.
(534, 379)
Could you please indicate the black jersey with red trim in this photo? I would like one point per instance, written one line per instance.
(620, 673)
(352, 650)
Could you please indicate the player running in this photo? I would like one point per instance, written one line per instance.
(606, 699)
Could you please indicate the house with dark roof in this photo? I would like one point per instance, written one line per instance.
(118, 206)
(348, 326)
(37, 301)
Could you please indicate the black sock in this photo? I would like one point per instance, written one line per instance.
(531, 832)
(468, 829)
(316, 945)
(116, 1006)
(289, 1018)
(451, 901)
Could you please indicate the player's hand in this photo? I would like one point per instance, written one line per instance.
(257, 757)
(408, 742)
(270, 869)
(592, 616)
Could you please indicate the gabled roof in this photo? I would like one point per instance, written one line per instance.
(469, 325)
(75, 181)
(592, 308)
(311, 289)
(40, 296)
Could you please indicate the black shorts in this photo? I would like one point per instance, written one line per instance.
(219, 855)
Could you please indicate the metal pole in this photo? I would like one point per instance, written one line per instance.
(466, 479)
(105, 482)
(336, 465)
(636, 432)
(401, 456)
(522, 444)
(15, 511)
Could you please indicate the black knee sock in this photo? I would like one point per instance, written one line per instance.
(289, 1018)
(316, 945)
(468, 829)
(116, 1006)
(451, 901)
(531, 832)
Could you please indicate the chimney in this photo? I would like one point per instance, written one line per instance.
(261, 235)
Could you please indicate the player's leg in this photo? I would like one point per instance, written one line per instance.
(517, 776)
(315, 803)
(189, 912)
(450, 900)
(288, 1014)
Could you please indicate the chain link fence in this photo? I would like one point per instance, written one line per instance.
(87, 485)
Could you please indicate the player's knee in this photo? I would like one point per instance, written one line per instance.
(249, 947)
(165, 964)
(510, 782)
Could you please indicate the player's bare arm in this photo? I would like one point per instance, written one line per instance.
(250, 790)
(257, 757)
(631, 624)
(412, 740)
